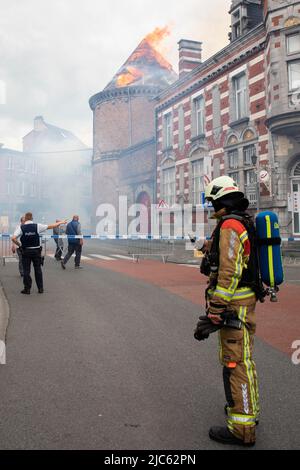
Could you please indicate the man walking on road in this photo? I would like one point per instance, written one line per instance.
(29, 234)
(57, 231)
(74, 244)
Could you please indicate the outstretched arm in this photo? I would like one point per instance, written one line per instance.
(57, 224)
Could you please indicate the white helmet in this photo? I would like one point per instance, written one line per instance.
(220, 187)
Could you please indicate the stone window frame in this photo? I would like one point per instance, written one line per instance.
(200, 95)
(239, 145)
(234, 120)
(198, 153)
(181, 132)
(169, 162)
(290, 57)
(167, 145)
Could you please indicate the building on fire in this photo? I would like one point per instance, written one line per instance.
(237, 113)
(124, 156)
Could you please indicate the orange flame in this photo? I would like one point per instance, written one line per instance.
(130, 76)
(157, 36)
(150, 48)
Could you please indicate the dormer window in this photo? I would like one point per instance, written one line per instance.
(245, 15)
(236, 24)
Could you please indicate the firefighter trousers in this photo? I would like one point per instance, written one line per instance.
(239, 372)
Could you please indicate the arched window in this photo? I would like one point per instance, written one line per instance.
(296, 171)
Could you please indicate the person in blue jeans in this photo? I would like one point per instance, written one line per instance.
(74, 244)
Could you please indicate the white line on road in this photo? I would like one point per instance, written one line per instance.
(105, 258)
(190, 265)
(123, 257)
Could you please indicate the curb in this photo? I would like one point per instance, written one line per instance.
(4, 318)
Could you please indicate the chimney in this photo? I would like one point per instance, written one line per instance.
(190, 55)
(38, 123)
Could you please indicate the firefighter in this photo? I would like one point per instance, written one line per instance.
(233, 290)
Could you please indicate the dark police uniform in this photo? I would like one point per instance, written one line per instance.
(31, 253)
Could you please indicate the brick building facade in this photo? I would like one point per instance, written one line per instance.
(20, 188)
(237, 113)
(124, 147)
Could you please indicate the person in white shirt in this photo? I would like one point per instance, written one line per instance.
(30, 244)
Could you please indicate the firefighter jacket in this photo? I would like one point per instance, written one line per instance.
(234, 253)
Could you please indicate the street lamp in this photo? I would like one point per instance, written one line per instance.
(254, 160)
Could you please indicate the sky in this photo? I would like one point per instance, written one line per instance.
(56, 54)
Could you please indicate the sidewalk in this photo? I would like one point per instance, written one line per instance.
(278, 324)
(4, 317)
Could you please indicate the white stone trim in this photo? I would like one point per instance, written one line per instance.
(256, 78)
(190, 59)
(167, 111)
(241, 69)
(182, 161)
(258, 115)
(257, 60)
(257, 97)
(197, 94)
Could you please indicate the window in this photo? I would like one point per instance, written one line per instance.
(181, 127)
(199, 116)
(32, 190)
(197, 176)
(240, 96)
(169, 186)
(34, 167)
(251, 186)
(9, 163)
(250, 177)
(293, 43)
(236, 24)
(294, 75)
(248, 152)
(216, 105)
(8, 188)
(168, 130)
(21, 188)
(235, 176)
(233, 159)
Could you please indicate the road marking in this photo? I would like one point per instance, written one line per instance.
(51, 255)
(123, 257)
(190, 265)
(2, 352)
(105, 258)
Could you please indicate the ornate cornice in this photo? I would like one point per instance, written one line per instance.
(214, 60)
(113, 93)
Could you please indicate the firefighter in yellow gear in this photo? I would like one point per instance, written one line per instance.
(231, 301)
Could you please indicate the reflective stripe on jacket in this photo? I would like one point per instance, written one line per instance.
(234, 252)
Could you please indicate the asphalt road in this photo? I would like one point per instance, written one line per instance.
(104, 361)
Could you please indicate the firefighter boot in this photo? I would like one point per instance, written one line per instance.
(224, 436)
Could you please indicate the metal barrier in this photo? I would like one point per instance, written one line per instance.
(6, 248)
(143, 248)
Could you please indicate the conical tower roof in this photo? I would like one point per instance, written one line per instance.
(145, 66)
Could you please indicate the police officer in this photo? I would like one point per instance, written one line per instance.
(234, 288)
(29, 235)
